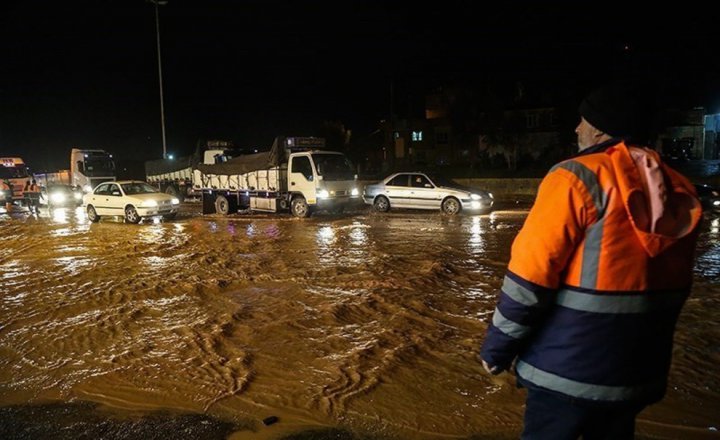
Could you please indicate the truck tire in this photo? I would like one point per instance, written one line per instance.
(172, 191)
(222, 205)
(299, 207)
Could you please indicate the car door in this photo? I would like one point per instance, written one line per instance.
(301, 177)
(98, 199)
(423, 193)
(398, 191)
(115, 199)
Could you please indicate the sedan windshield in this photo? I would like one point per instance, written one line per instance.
(138, 188)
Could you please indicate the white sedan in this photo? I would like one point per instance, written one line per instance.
(131, 199)
(425, 191)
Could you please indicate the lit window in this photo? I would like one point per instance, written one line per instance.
(396, 135)
(417, 136)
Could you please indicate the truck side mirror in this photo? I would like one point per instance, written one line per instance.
(81, 166)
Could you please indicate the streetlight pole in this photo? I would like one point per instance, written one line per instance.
(162, 103)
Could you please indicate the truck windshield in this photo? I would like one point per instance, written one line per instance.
(99, 167)
(333, 166)
(13, 172)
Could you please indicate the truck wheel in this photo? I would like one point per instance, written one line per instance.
(222, 206)
(131, 214)
(299, 207)
(172, 191)
(92, 215)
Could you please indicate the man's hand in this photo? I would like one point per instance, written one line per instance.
(494, 370)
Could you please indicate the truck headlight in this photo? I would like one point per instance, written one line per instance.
(354, 192)
(148, 203)
(322, 194)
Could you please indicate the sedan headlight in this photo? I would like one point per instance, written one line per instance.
(175, 201)
(475, 196)
(149, 203)
(322, 194)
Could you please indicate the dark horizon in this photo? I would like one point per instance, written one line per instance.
(85, 73)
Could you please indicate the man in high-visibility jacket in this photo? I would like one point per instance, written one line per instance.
(596, 281)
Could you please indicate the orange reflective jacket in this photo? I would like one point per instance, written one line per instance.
(597, 277)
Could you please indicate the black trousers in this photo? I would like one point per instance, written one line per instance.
(552, 417)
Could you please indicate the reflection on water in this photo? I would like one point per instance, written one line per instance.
(370, 321)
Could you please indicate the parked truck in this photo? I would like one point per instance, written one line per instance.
(90, 167)
(13, 171)
(296, 174)
(176, 176)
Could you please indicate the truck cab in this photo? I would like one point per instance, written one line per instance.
(14, 171)
(320, 180)
(89, 168)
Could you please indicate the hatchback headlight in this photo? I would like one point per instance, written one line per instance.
(149, 203)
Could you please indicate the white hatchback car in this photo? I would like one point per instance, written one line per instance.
(131, 199)
(425, 191)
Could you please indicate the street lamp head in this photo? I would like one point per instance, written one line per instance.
(158, 2)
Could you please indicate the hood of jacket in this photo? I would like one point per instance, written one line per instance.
(661, 203)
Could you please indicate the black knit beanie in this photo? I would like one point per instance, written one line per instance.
(618, 109)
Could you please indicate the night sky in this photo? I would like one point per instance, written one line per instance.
(77, 73)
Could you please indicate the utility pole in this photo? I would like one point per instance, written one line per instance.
(158, 3)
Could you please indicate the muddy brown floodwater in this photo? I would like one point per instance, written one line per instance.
(364, 322)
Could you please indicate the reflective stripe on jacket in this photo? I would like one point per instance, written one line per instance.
(597, 277)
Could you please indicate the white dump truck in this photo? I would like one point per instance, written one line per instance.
(297, 174)
(176, 176)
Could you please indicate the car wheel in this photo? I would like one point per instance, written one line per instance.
(381, 204)
(92, 214)
(222, 206)
(170, 216)
(299, 207)
(451, 206)
(131, 214)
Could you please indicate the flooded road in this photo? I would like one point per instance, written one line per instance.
(366, 322)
